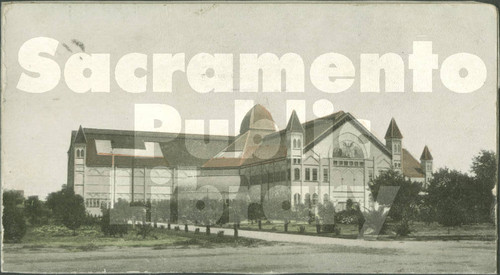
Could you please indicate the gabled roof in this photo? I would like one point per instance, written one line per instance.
(411, 166)
(294, 124)
(426, 154)
(80, 136)
(393, 130)
(176, 149)
(318, 129)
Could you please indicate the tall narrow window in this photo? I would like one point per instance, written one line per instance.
(315, 199)
(325, 175)
(78, 153)
(82, 153)
(299, 143)
(307, 199)
(308, 174)
(294, 143)
(315, 174)
(296, 175)
(326, 198)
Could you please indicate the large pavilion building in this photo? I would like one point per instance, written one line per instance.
(332, 158)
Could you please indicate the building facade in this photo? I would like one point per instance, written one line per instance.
(332, 158)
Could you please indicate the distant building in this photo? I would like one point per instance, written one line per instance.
(332, 158)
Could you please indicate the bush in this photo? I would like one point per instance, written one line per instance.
(14, 225)
(220, 234)
(403, 229)
(13, 222)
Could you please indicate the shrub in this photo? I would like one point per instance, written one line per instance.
(220, 234)
(13, 222)
(14, 225)
(403, 229)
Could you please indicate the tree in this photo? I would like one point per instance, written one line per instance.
(13, 222)
(484, 168)
(67, 208)
(35, 210)
(405, 203)
(74, 216)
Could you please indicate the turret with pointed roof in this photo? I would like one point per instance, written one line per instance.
(294, 124)
(393, 130)
(294, 136)
(394, 142)
(426, 154)
(80, 136)
(426, 164)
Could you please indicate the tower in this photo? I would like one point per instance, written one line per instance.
(295, 145)
(79, 156)
(426, 164)
(294, 136)
(394, 142)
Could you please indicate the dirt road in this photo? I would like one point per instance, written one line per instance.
(375, 256)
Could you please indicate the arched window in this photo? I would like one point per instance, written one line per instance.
(294, 143)
(82, 153)
(326, 198)
(296, 199)
(299, 143)
(307, 200)
(78, 153)
(315, 199)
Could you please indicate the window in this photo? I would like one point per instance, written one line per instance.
(294, 143)
(299, 144)
(315, 174)
(325, 175)
(370, 175)
(299, 161)
(296, 199)
(82, 153)
(326, 198)
(428, 165)
(78, 153)
(296, 174)
(335, 162)
(308, 174)
(307, 200)
(315, 199)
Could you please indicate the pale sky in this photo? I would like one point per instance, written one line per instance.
(36, 128)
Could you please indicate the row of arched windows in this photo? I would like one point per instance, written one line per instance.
(80, 153)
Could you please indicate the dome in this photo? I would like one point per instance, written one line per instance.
(258, 118)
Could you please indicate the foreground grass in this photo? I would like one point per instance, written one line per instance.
(90, 238)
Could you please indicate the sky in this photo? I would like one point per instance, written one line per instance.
(36, 128)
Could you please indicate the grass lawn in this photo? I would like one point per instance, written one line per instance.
(420, 231)
(90, 238)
